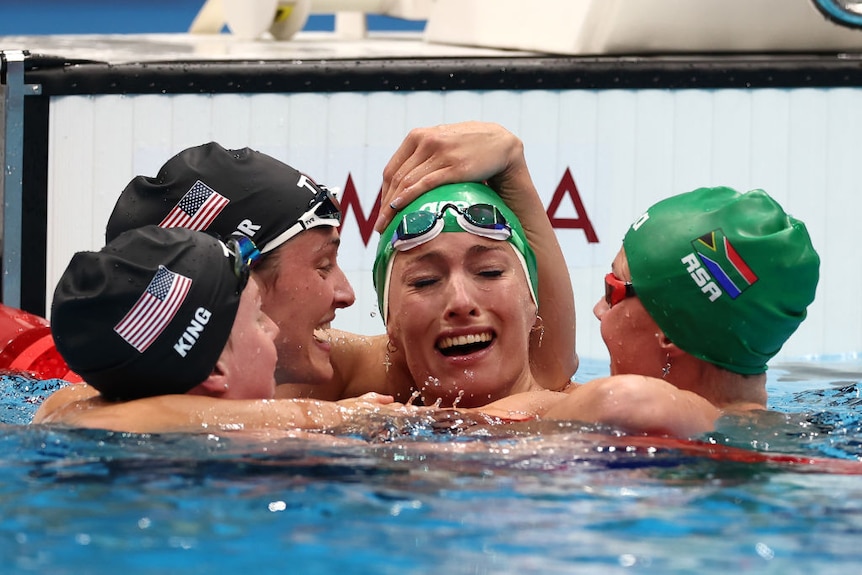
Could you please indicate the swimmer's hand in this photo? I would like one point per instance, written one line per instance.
(368, 403)
(370, 400)
(448, 154)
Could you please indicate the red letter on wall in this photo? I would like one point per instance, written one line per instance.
(350, 199)
(567, 187)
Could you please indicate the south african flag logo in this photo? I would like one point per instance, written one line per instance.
(724, 263)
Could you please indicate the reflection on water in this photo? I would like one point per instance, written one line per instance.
(412, 496)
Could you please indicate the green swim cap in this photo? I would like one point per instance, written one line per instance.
(462, 195)
(726, 276)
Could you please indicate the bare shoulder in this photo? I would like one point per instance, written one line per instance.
(62, 398)
(351, 351)
(363, 364)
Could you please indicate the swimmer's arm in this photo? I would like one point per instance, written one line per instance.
(521, 406)
(476, 151)
(552, 348)
(637, 404)
(190, 413)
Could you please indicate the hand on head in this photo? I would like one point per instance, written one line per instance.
(446, 154)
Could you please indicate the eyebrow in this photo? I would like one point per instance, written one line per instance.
(329, 242)
(483, 249)
(472, 251)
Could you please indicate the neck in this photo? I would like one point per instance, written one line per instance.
(724, 389)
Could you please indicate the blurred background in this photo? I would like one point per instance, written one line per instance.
(27, 17)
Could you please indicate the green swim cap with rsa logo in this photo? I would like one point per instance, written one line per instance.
(727, 276)
(491, 218)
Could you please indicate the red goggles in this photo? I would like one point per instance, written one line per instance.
(616, 290)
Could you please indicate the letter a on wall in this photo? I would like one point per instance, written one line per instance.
(582, 221)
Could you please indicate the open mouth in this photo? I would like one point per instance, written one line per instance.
(464, 344)
(322, 334)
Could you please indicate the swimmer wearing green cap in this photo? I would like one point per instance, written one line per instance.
(465, 207)
(726, 276)
(457, 281)
(706, 289)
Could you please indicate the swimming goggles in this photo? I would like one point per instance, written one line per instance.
(323, 210)
(416, 228)
(616, 290)
(245, 256)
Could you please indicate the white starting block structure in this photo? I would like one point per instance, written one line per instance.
(572, 27)
(640, 26)
(281, 19)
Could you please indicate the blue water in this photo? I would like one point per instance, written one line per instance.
(399, 495)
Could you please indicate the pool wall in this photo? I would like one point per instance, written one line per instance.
(605, 137)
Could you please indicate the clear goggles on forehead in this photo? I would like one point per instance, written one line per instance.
(484, 220)
(323, 210)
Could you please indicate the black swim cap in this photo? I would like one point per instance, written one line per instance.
(222, 191)
(150, 313)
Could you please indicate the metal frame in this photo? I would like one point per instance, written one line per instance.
(14, 90)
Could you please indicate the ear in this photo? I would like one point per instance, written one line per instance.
(669, 347)
(391, 331)
(215, 385)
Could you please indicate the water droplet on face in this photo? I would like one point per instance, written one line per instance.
(459, 398)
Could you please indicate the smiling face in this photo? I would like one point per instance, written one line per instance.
(461, 311)
(630, 334)
(302, 287)
(249, 357)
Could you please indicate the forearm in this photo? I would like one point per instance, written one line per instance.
(554, 356)
(303, 414)
(190, 413)
(521, 406)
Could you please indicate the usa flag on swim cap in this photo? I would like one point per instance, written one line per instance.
(196, 209)
(155, 309)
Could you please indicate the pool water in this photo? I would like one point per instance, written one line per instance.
(779, 495)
